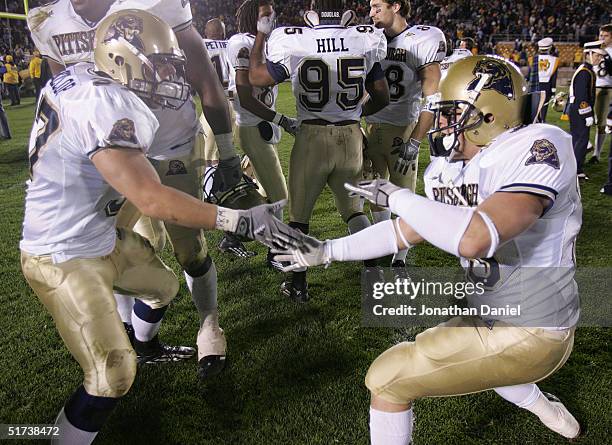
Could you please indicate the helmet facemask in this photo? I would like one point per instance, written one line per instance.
(451, 119)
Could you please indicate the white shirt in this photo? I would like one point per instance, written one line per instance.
(536, 268)
(327, 65)
(407, 54)
(238, 52)
(604, 78)
(458, 54)
(69, 206)
(217, 50)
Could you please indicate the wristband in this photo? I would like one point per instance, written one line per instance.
(227, 219)
(492, 233)
(277, 118)
(225, 144)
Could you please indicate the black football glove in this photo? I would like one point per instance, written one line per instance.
(227, 175)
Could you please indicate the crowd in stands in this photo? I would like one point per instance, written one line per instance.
(486, 21)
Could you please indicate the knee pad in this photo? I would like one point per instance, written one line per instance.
(113, 377)
(199, 267)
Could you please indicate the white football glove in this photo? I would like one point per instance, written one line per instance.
(260, 224)
(377, 191)
(608, 129)
(266, 24)
(312, 253)
(589, 121)
(289, 124)
(407, 153)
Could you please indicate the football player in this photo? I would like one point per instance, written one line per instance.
(502, 195)
(87, 148)
(64, 33)
(331, 67)
(464, 50)
(604, 90)
(258, 124)
(216, 45)
(412, 69)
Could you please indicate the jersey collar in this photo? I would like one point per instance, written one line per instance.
(390, 39)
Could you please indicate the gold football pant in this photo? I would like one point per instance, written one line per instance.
(324, 155)
(381, 141)
(602, 103)
(79, 295)
(463, 356)
(189, 245)
(264, 158)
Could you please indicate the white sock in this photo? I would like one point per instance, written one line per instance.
(125, 303)
(70, 434)
(382, 215)
(143, 330)
(390, 428)
(204, 292)
(600, 138)
(530, 397)
(357, 223)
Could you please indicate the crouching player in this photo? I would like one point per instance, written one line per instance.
(505, 195)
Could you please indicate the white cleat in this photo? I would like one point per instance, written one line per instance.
(565, 424)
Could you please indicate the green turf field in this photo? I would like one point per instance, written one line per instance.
(295, 372)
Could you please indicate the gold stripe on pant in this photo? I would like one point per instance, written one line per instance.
(79, 296)
(324, 155)
(463, 356)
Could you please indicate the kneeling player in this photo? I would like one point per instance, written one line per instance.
(87, 147)
(516, 207)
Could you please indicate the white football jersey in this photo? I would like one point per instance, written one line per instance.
(328, 66)
(458, 54)
(238, 51)
(69, 207)
(547, 67)
(65, 37)
(217, 50)
(604, 78)
(407, 53)
(537, 159)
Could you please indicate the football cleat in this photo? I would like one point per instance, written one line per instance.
(154, 351)
(231, 244)
(606, 190)
(582, 177)
(299, 295)
(129, 330)
(398, 267)
(594, 160)
(565, 424)
(212, 347)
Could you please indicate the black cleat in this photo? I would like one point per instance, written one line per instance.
(606, 190)
(210, 366)
(294, 293)
(154, 351)
(398, 267)
(129, 330)
(582, 177)
(230, 244)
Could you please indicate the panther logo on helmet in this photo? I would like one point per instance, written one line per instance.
(129, 27)
(500, 80)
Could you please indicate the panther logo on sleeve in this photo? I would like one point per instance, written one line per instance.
(128, 27)
(543, 152)
(500, 79)
(123, 132)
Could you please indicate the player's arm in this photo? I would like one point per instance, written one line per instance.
(133, 176)
(378, 90)
(202, 76)
(259, 72)
(429, 75)
(247, 100)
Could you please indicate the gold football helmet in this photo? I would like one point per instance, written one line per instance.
(481, 97)
(141, 52)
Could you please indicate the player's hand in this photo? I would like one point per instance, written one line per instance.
(608, 129)
(407, 154)
(289, 124)
(589, 121)
(227, 175)
(313, 253)
(377, 191)
(266, 24)
(260, 224)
